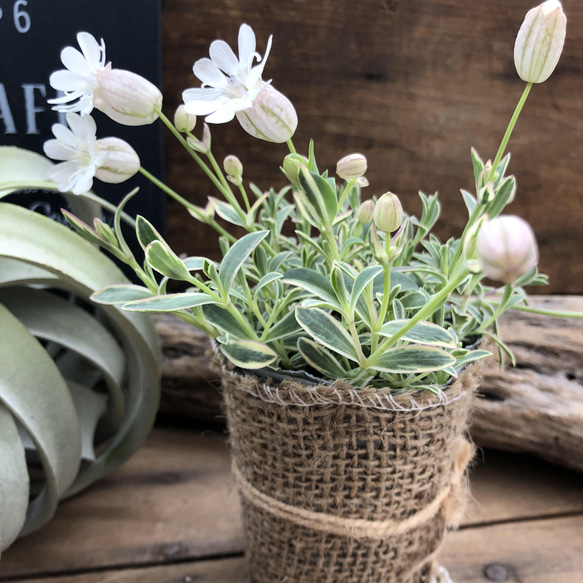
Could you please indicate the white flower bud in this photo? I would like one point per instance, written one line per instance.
(272, 116)
(351, 167)
(388, 213)
(540, 41)
(365, 212)
(127, 98)
(233, 168)
(118, 161)
(506, 248)
(184, 121)
(362, 182)
(291, 167)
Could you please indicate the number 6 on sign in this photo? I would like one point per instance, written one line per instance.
(21, 18)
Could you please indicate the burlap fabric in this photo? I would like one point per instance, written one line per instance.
(345, 485)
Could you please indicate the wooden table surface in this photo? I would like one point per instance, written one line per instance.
(171, 515)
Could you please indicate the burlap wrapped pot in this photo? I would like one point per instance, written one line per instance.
(346, 485)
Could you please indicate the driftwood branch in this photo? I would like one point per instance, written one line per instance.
(535, 408)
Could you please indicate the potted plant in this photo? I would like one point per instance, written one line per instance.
(348, 335)
(80, 383)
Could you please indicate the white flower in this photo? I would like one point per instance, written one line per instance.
(79, 80)
(229, 85)
(77, 147)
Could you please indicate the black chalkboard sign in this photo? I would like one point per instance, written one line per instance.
(32, 35)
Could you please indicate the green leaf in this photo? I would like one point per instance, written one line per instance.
(398, 309)
(477, 164)
(121, 293)
(471, 356)
(504, 193)
(236, 256)
(422, 332)
(284, 327)
(397, 278)
(224, 321)
(146, 232)
(194, 263)
(312, 281)
(117, 217)
(169, 302)
(412, 359)
(161, 258)
(39, 398)
(248, 354)
(321, 359)
(15, 482)
(75, 265)
(266, 280)
(320, 194)
(326, 330)
(340, 285)
(469, 200)
(226, 212)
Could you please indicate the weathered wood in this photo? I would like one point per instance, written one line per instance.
(175, 501)
(412, 84)
(541, 551)
(536, 407)
(218, 571)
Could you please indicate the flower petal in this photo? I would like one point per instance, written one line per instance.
(223, 57)
(83, 181)
(246, 45)
(222, 115)
(202, 100)
(91, 49)
(209, 73)
(65, 80)
(75, 61)
(56, 150)
(64, 135)
(61, 174)
(84, 127)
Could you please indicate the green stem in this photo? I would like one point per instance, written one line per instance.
(167, 189)
(508, 289)
(291, 147)
(245, 197)
(226, 191)
(430, 307)
(386, 285)
(347, 188)
(542, 312)
(509, 130)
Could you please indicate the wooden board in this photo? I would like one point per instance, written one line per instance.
(174, 502)
(412, 84)
(218, 571)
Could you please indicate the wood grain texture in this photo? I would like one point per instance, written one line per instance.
(536, 407)
(545, 551)
(217, 571)
(410, 84)
(174, 501)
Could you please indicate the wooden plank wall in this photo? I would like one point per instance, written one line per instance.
(412, 84)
